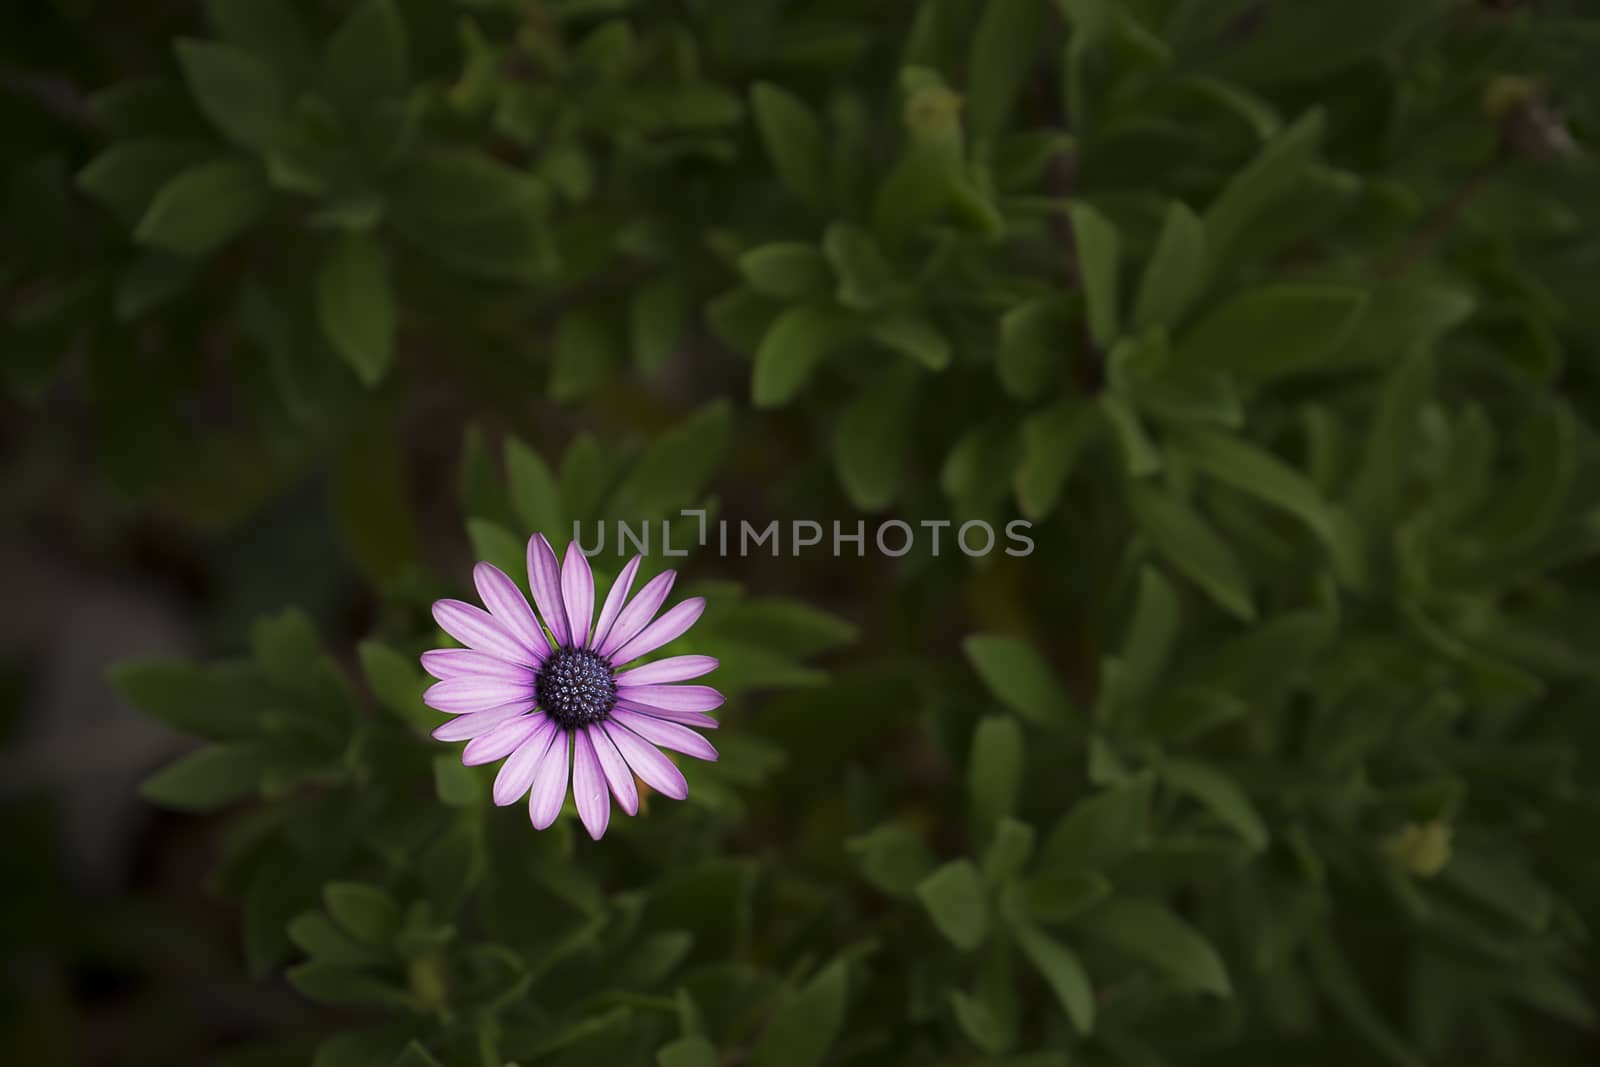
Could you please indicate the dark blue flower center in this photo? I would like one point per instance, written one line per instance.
(575, 688)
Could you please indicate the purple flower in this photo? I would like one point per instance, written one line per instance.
(528, 693)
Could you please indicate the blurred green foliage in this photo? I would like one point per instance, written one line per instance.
(1275, 317)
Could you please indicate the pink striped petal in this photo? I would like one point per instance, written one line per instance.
(510, 608)
(502, 740)
(645, 760)
(666, 734)
(613, 605)
(516, 774)
(697, 719)
(476, 724)
(459, 662)
(672, 625)
(589, 786)
(615, 768)
(544, 577)
(472, 693)
(549, 784)
(640, 610)
(673, 697)
(477, 629)
(671, 669)
(577, 594)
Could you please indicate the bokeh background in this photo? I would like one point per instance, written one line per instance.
(1277, 319)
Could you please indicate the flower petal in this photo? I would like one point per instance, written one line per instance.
(477, 723)
(549, 784)
(589, 786)
(645, 760)
(673, 697)
(666, 734)
(640, 610)
(510, 608)
(671, 669)
(516, 773)
(502, 740)
(473, 693)
(477, 629)
(544, 577)
(613, 604)
(577, 594)
(674, 624)
(459, 662)
(616, 769)
(697, 719)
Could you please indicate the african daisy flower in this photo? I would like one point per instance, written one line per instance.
(546, 698)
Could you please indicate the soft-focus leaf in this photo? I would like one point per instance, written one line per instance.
(994, 769)
(1060, 967)
(806, 1024)
(236, 91)
(1277, 329)
(793, 138)
(1019, 678)
(1193, 548)
(1151, 933)
(1100, 829)
(957, 904)
(1176, 271)
(356, 306)
(1002, 51)
(794, 346)
(204, 207)
(208, 778)
(1099, 251)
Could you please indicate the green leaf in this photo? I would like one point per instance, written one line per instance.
(1056, 898)
(208, 778)
(1003, 49)
(367, 57)
(1019, 678)
(1100, 830)
(1176, 272)
(315, 934)
(994, 769)
(494, 544)
(370, 914)
(1009, 848)
(1052, 440)
(1152, 934)
(866, 280)
(414, 1055)
(355, 305)
(126, 177)
(535, 495)
(893, 857)
(213, 703)
(1273, 173)
(346, 987)
(1332, 973)
(1276, 329)
(794, 140)
(980, 1022)
(586, 354)
(957, 903)
(268, 30)
(241, 97)
(1060, 967)
(914, 335)
(1139, 453)
(657, 316)
(1099, 249)
(794, 346)
(1151, 634)
(675, 469)
(455, 784)
(687, 1052)
(788, 270)
(1252, 470)
(398, 683)
(869, 442)
(806, 1024)
(1192, 547)
(1034, 342)
(203, 207)
(1222, 795)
